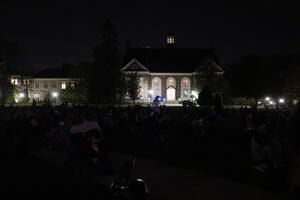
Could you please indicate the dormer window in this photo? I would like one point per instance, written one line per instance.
(170, 40)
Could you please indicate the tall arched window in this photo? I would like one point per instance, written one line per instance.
(156, 87)
(185, 88)
(171, 89)
(171, 82)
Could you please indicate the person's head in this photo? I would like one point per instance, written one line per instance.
(262, 134)
(33, 122)
(93, 135)
(90, 116)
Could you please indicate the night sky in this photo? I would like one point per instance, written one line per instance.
(53, 32)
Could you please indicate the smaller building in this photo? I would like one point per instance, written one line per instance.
(49, 82)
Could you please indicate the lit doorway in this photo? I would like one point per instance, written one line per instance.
(171, 94)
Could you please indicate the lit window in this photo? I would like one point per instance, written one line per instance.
(185, 83)
(142, 80)
(46, 84)
(14, 81)
(171, 82)
(63, 85)
(170, 40)
(54, 84)
(72, 84)
(157, 83)
(185, 88)
(37, 84)
(156, 87)
(186, 93)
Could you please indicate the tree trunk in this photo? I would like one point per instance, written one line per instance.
(3, 100)
(256, 102)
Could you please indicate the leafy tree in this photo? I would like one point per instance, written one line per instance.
(205, 97)
(133, 86)
(11, 62)
(6, 88)
(121, 89)
(105, 73)
(218, 102)
(207, 75)
(291, 87)
(47, 97)
(77, 93)
(14, 57)
(251, 77)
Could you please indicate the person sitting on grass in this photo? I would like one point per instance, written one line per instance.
(261, 149)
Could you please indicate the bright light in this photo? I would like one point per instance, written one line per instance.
(271, 102)
(259, 102)
(267, 98)
(14, 81)
(150, 92)
(295, 101)
(195, 94)
(281, 100)
(21, 95)
(63, 85)
(54, 94)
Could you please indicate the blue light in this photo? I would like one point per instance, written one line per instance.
(159, 99)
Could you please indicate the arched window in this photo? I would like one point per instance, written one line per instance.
(185, 88)
(171, 82)
(156, 87)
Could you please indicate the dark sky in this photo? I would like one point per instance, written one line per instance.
(52, 32)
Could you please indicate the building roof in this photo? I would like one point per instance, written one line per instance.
(172, 60)
(52, 73)
(210, 65)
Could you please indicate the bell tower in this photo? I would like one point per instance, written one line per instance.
(170, 40)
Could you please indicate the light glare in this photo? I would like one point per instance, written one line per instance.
(55, 94)
(22, 95)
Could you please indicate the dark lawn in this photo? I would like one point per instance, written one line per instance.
(226, 156)
(28, 175)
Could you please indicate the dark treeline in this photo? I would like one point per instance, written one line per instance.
(253, 76)
(256, 76)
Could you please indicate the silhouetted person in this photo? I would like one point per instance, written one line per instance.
(294, 151)
(218, 103)
(33, 103)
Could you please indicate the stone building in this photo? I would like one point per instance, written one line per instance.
(169, 72)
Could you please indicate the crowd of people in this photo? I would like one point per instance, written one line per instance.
(88, 133)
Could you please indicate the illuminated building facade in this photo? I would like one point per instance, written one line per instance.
(169, 72)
